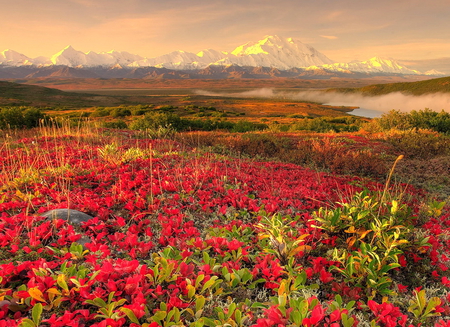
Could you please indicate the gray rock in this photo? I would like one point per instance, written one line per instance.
(74, 217)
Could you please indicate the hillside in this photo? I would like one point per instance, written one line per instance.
(414, 88)
(38, 96)
(164, 94)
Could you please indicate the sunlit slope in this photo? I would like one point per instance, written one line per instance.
(415, 88)
(31, 95)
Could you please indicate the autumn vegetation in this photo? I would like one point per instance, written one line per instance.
(204, 216)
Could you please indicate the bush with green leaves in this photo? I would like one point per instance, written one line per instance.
(118, 124)
(422, 119)
(21, 117)
(155, 120)
(120, 112)
(101, 112)
(244, 126)
(327, 124)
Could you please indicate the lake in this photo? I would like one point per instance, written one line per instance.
(369, 113)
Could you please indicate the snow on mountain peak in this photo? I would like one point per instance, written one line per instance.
(278, 52)
(272, 51)
(73, 58)
(373, 65)
(13, 58)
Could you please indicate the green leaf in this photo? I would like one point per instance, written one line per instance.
(120, 302)
(170, 314)
(27, 323)
(350, 305)
(346, 320)
(200, 303)
(76, 248)
(304, 308)
(177, 314)
(432, 304)
(238, 316)
(208, 322)
(231, 309)
(258, 305)
(159, 316)
(76, 282)
(209, 283)
(296, 317)
(199, 279)
(36, 313)
(110, 297)
(130, 314)
(61, 281)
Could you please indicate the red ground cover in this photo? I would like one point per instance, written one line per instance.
(184, 237)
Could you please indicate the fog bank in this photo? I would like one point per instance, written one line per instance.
(380, 103)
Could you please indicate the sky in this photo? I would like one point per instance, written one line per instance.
(343, 30)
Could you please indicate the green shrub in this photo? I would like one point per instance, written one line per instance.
(244, 126)
(20, 117)
(118, 124)
(101, 112)
(328, 124)
(167, 108)
(422, 119)
(140, 110)
(422, 144)
(120, 112)
(154, 120)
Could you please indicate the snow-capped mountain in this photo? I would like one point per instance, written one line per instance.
(73, 58)
(372, 66)
(14, 58)
(174, 60)
(276, 52)
(272, 52)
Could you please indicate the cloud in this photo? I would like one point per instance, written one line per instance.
(154, 27)
(330, 37)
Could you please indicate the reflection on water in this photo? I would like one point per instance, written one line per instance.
(369, 113)
(361, 112)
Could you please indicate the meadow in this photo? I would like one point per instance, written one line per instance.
(304, 225)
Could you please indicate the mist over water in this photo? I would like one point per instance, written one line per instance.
(370, 106)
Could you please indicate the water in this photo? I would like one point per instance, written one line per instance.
(368, 113)
(361, 112)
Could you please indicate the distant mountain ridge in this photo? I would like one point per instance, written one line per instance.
(273, 52)
(435, 85)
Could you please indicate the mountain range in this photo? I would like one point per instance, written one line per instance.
(272, 56)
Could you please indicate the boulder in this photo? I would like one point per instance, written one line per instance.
(74, 217)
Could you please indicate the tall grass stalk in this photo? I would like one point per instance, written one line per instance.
(388, 181)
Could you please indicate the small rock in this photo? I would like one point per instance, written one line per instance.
(74, 217)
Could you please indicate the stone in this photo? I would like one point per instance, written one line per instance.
(74, 217)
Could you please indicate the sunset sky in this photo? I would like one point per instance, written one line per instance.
(343, 30)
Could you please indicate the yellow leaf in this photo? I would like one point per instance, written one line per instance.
(282, 288)
(61, 281)
(301, 248)
(53, 291)
(36, 294)
(350, 230)
(364, 233)
(303, 236)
